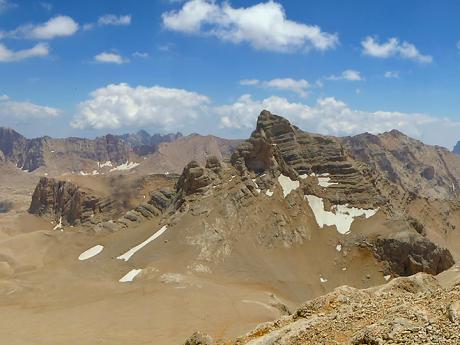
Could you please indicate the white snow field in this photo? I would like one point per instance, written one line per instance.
(126, 256)
(342, 216)
(129, 277)
(287, 184)
(93, 251)
(125, 166)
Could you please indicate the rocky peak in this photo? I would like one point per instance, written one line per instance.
(278, 145)
(11, 143)
(198, 179)
(456, 148)
(67, 203)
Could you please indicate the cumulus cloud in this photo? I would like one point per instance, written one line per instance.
(264, 26)
(349, 74)
(115, 58)
(120, 105)
(392, 48)
(142, 55)
(334, 117)
(111, 19)
(59, 26)
(8, 55)
(25, 110)
(298, 86)
(391, 74)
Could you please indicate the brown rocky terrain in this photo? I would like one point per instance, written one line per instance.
(229, 243)
(414, 310)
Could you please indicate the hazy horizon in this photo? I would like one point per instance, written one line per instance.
(210, 67)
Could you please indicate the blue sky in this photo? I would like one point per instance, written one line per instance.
(85, 68)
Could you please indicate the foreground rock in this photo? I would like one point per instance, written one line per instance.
(412, 310)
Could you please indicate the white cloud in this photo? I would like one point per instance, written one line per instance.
(142, 55)
(119, 105)
(249, 82)
(6, 5)
(334, 117)
(458, 45)
(8, 55)
(298, 86)
(59, 26)
(111, 19)
(46, 6)
(264, 26)
(115, 58)
(392, 48)
(24, 110)
(348, 74)
(391, 74)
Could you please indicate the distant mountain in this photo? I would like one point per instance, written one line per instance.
(31, 154)
(457, 148)
(143, 143)
(87, 156)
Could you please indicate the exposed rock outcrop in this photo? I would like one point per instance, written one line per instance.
(66, 202)
(199, 339)
(198, 179)
(276, 144)
(405, 311)
(408, 253)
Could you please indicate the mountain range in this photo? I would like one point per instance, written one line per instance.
(173, 234)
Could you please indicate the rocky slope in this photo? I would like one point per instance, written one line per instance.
(172, 157)
(288, 218)
(414, 310)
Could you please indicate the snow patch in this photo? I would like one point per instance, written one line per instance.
(106, 164)
(342, 216)
(257, 186)
(126, 256)
(268, 192)
(387, 278)
(93, 251)
(125, 166)
(338, 247)
(129, 277)
(325, 182)
(322, 280)
(287, 184)
(94, 172)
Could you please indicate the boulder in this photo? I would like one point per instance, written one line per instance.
(199, 339)
(408, 253)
